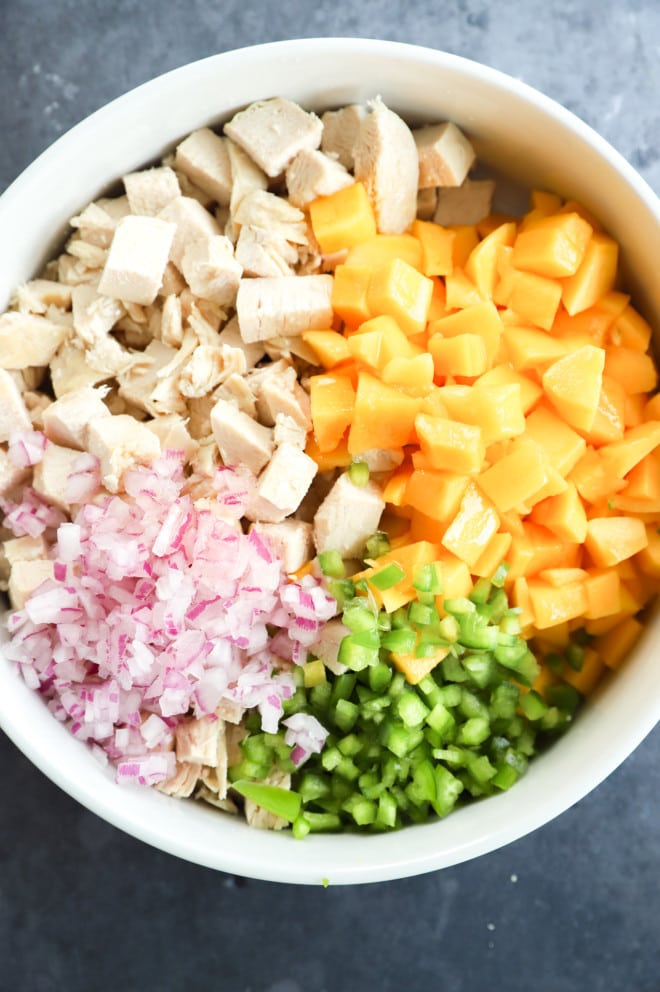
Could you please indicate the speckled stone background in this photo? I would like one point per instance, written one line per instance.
(573, 908)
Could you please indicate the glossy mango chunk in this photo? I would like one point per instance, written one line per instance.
(397, 289)
(573, 385)
(384, 417)
(449, 445)
(332, 400)
(552, 246)
(343, 219)
(471, 530)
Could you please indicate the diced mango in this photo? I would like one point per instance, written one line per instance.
(631, 330)
(514, 477)
(451, 446)
(338, 457)
(493, 555)
(410, 557)
(562, 445)
(633, 369)
(437, 247)
(395, 487)
(415, 669)
(608, 423)
(644, 478)
(503, 374)
(463, 355)
(332, 404)
(399, 290)
(469, 533)
(481, 266)
(465, 239)
(610, 540)
(587, 678)
(349, 293)
(615, 646)
(592, 479)
(481, 318)
(413, 375)
(461, 291)
(343, 219)
(529, 348)
(384, 417)
(330, 347)
(649, 557)
(622, 456)
(436, 494)
(573, 385)
(603, 588)
(382, 248)
(551, 605)
(595, 277)
(563, 514)
(535, 298)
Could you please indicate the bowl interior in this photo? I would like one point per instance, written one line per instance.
(534, 142)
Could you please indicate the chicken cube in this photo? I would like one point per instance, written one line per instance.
(203, 157)
(182, 784)
(260, 254)
(340, 133)
(348, 515)
(287, 305)
(94, 315)
(285, 480)
(24, 549)
(465, 204)
(137, 384)
(10, 475)
(38, 295)
(313, 174)
(197, 740)
(211, 270)
(173, 435)
(26, 577)
(14, 415)
(137, 259)
(28, 339)
(279, 392)
(193, 223)
(246, 176)
(445, 155)
(290, 540)
(241, 440)
(231, 336)
(286, 429)
(52, 473)
(386, 162)
(149, 190)
(120, 442)
(65, 421)
(272, 132)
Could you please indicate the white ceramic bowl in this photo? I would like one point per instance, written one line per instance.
(515, 129)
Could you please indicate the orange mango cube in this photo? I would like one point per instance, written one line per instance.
(397, 289)
(343, 219)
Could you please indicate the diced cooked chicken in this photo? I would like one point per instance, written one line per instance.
(13, 412)
(274, 214)
(193, 223)
(240, 439)
(427, 202)
(94, 315)
(246, 176)
(288, 305)
(340, 133)
(279, 392)
(120, 442)
(73, 271)
(347, 517)
(24, 549)
(171, 322)
(182, 784)
(91, 256)
(465, 204)
(256, 816)
(206, 459)
(285, 480)
(231, 336)
(173, 282)
(97, 222)
(236, 390)
(207, 367)
(232, 713)
(52, 474)
(26, 577)
(287, 430)
(204, 158)
(38, 295)
(327, 646)
(209, 796)
(70, 369)
(28, 339)
(272, 132)
(260, 254)
(10, 475)
(211, 269)
(36, 404)
(291, 540)
(197, 740)
(65, 420)
(149, 190)
(386, 163)
(173, 435)
(445, 155)
(137, 259)
(312, 174)
(138, 384)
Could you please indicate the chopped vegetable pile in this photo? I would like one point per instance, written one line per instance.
(329, 492)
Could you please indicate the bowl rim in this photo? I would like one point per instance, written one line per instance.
(264, 856)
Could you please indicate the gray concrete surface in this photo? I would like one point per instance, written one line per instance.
(573, 907)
